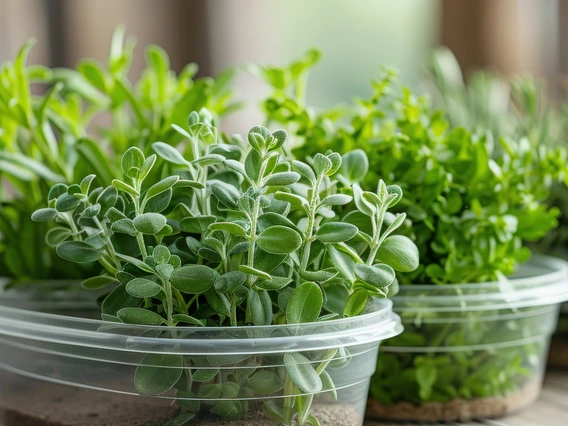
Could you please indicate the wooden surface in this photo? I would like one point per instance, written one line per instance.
(550, 410)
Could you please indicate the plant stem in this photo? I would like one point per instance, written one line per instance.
(308, 234)
(169, 301)
(141, 245)
(376, 242)
(288, 398)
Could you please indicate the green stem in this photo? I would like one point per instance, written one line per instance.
(308, 234)
(180, 299)
(328, 357)
(233, 317)
(288, 398)
(169, 301)
(141, 245)
(376, 242)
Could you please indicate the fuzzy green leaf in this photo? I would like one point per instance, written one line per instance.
(149, 223)
(139, 316)
(379, 276)
(193, 279)
(132, 161)
(44, 215)
(78, 251)
(302, 372)
(158, 373)
(141, 287)
(305, 304)
(260, 307)
(400, 252)
(279, 240)
(355, 303)
(336, 232)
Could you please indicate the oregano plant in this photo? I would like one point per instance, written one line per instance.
(227, 232)
(50, 136)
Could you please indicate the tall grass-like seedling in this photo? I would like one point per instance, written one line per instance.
(233, 233)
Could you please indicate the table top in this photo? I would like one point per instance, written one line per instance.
(551, 409)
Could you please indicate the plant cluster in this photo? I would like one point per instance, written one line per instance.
(57, 136)
(516, 108)
(475, 200)
(233, 233)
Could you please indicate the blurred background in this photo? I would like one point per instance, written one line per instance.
(356, 37)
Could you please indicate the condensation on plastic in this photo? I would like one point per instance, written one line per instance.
(39, 341)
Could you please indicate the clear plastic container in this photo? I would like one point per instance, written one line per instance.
(67, 370)
(470, 351)
(558, 356)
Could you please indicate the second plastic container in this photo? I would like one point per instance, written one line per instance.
(470, 351)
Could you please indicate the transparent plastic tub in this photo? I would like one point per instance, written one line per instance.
(558, 356)
(57, 369)
(470, 351)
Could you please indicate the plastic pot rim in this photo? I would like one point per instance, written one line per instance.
(540, 282)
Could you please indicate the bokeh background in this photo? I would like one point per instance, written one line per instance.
(356, 36)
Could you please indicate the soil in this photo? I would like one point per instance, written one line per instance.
(54, 405)
(327, 415)
(458, 409)
(69, 406)
(558, 355)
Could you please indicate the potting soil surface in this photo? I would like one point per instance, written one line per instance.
(551, 409)
(56, 405)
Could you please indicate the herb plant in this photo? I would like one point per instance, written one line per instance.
(474, 200)
(55, 137)
(233, 233)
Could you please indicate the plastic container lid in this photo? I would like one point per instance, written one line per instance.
(541, 281)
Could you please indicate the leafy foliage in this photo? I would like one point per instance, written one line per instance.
(516, 108)
(52, 138)
(232, 232)
(475, 199)
(483, 367)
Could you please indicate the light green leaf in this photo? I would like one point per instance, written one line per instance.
(158, 373)
(161, 186)
(379, 276)
(355, 166)
(264, 382)
(279, 240)
(139, 316)
(124, 226)
(95, 283)
(56, 236)
(132, 161)
(230, 227)
(400, 252)
(336, 232)
(193, 279)
(44, 215)
(256, 272)
(168, 153)
(186, 319)
(260, 307)
(78, 251)
(305, 304)
(355, 303)
(141, 287)
(149, 223)
(230, 281)
(282, 179)
(336, 200)
(302, 372)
